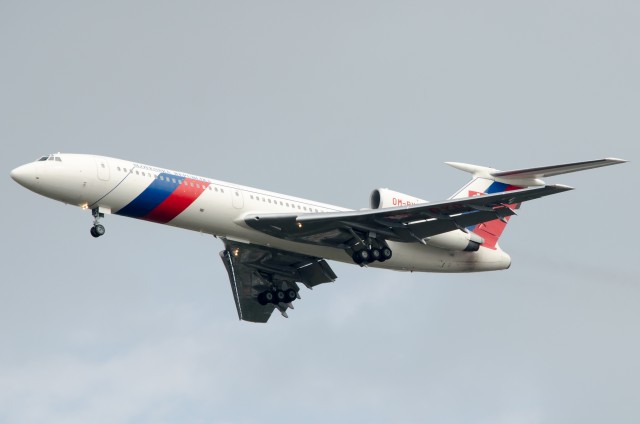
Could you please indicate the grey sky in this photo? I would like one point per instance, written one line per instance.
(325, 100)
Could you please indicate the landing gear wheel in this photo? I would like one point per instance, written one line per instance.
(361, 256)
(265, 298)
(290, 295)
(281, 297)
(385, 254)
(99, 230)
(375, 255)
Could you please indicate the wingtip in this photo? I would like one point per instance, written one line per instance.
(562, 187)
(616, 160)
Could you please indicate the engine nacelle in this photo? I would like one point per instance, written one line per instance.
(385, 198)
(453, 240)
(456, 240)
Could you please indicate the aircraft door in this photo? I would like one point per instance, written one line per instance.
(103, 169)
(237, 199)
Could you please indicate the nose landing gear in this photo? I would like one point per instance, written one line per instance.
(98, 229)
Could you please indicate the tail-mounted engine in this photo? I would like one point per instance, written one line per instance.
(453, 240)
(385, 198)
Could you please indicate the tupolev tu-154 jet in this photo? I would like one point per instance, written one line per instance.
(273, 241)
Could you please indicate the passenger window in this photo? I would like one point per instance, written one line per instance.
(137, 173)
(161, 177)
(119, 169)
(124, 169)
(197, 185)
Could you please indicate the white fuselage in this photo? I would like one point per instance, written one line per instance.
(214, 207)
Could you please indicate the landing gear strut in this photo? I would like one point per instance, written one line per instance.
(98, 229)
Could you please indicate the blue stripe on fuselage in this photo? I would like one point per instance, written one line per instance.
(151, 197)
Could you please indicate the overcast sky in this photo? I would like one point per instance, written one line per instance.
(326, 100)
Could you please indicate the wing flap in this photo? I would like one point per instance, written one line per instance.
(245, 290)
(433, 227)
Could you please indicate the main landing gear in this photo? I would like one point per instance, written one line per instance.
(277, 296)
(98, 229)
(282, 298)
(373, 254)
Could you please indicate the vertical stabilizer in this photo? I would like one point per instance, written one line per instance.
(489, 180)
(492, 230)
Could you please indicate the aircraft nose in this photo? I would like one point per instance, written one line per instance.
(26, 176)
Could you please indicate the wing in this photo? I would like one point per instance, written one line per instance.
(263, 279)
(403, 224)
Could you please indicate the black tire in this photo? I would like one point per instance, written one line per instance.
(262, 299)
(364, 255)
(291, 295)
(93, 232)
(385, 254)
(267, 296)
(281, 297)
(375, 255)
(356, 258)
(99, 230)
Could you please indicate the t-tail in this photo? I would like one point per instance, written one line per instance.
(489, 180)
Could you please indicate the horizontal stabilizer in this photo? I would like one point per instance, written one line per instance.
(549, 171)
(531, 176)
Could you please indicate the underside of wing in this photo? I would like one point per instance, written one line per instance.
(263, 279)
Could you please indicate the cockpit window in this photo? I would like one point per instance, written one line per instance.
(50, 157)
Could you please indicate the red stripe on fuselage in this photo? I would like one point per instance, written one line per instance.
(182, 197)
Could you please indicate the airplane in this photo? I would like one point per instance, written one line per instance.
(274, 241)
